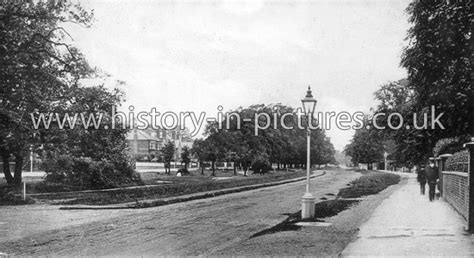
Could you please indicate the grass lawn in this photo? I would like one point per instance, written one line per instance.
(162, 186)
(369, 183)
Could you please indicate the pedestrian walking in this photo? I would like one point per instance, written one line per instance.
(421, 177)
(431, 172)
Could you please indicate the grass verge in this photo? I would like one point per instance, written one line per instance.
(174, 186)
(322, 210)
(368, 184)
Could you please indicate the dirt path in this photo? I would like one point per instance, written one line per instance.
(192, 228)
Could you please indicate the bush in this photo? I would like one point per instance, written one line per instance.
(261, 166)
(183, 171)
(458, 162)
(142, 157)
(85, 173)
(446, 145)
(11, 196)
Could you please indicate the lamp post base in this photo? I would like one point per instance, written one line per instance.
(307, 208)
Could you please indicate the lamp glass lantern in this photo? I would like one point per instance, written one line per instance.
(309, 103)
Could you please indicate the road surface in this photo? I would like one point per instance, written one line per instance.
(200, 227)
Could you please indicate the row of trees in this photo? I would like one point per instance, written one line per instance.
(41, 75)
(239, 144)
(438, 61)
(168, 154)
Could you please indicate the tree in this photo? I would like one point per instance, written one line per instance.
(407, 145)
(242, 146)
(185, 157)
(38, 70)
(212, 150)
(168, 154)
(366, 147)
(439, 74)
(199, 152)
(89, 145)
(232, 156)
(260, 163)
(322, 150)
(439, 63)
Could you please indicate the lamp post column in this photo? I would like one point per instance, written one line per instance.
(308, 209)
(308, 162)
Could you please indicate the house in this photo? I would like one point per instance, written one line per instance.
(143, 145)
(146, 144)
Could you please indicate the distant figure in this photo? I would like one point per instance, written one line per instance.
(431, 176)
(421, 178)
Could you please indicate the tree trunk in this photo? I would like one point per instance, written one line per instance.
(6, 169)
(202, 167)
(18, 169)
(213, 168)
(235, 170)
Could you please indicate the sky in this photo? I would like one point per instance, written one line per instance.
(196, 55)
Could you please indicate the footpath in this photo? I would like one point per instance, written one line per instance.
(407, 224)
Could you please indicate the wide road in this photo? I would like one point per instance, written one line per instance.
(200, 227)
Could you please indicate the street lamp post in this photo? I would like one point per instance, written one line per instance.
(307, 209)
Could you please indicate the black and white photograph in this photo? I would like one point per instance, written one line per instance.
(157, 128)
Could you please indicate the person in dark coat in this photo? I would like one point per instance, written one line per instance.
(431, 172)
(421, 178)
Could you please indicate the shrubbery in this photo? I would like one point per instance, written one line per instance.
(11, 196)
(76, 173)
(458, 162)
(183, 171)
(261, 165)
(447, 145)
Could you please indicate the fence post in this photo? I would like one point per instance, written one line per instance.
(442, 167)
(470, 170)
(24, 191)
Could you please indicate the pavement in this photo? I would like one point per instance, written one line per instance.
(407, 224)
